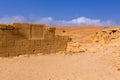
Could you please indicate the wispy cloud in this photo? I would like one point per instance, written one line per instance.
(8, 20)
(50, 21)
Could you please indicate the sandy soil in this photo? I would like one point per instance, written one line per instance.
(99, 62)
(77, 33)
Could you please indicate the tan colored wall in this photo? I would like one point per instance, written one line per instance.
(18, 39)
(3, 26)
(50, 33)
(30, 31)
(37, 31)
(19, 47)
(24, 29)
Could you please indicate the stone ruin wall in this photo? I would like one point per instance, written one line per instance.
(104, 36)
(23, 38)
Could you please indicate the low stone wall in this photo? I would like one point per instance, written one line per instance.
(19, 47)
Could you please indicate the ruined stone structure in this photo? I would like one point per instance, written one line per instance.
(23, 38)
(104, 36)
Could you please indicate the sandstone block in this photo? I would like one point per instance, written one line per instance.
(37, 31)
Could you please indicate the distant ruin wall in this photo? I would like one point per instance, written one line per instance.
(23, 38)
(104, 36)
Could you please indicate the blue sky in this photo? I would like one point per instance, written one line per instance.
(58, 12)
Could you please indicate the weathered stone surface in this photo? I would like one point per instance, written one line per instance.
(104, 36)
(38, 31)
(75, 47)
(23, 38)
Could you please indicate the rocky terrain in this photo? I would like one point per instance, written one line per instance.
(93, 54)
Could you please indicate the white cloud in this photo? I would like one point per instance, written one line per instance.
(75, 22)
(8, 20)
(47, 20)
(84, 21)
(51, 21)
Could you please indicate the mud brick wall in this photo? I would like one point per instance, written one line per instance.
(20, 47)
(37, 31)
(24, 29)
(23, 38)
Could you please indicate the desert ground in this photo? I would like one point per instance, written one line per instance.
(91, 61)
